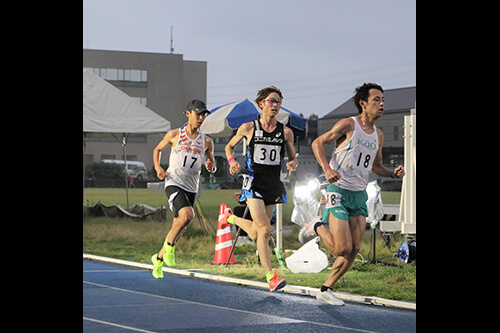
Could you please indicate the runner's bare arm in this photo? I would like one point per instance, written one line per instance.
(209, 153)
(290, 150)
(164, 143)
(341, 128)
(244, 131)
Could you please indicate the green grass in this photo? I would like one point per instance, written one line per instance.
(210, 199)
(112, 196)
(137, 241)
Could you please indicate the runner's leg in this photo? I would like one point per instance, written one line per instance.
(261, 215)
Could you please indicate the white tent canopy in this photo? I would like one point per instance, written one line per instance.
(107, 109)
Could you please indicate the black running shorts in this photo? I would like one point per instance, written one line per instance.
(179, 198)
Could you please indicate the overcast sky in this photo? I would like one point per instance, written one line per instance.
(315, 51)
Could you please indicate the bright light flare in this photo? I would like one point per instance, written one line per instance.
(313, 185)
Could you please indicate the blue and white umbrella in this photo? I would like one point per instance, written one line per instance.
(226, 118)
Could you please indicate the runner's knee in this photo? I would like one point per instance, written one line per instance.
(343, 249)
(185, 216)
(264, 231)
(356, 248)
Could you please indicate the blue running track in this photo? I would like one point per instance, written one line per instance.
(123, 299)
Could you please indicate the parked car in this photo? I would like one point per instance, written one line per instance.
(134, 168)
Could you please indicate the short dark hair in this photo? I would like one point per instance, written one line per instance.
(363, 92)
(264, 92)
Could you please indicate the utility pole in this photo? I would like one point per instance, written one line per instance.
(171, 39)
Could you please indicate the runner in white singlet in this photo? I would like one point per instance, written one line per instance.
(185, 162)
(358, 154)
(189, 146)
(354, 160)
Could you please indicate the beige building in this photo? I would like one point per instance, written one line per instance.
(164, 83)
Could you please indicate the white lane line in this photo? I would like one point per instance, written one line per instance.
(289, 320)
(111, 270)
(117, 325)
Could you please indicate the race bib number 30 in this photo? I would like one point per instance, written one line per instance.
(333, 199)
(267, 154)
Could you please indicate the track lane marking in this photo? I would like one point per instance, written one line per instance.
(291, 320)
(117, 325)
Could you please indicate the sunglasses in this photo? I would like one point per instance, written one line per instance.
(272, 100)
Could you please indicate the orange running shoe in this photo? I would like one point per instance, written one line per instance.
(275, 283)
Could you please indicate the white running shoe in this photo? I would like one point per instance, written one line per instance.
(307, 233)
(329, 297)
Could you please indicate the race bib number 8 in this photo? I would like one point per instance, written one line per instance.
(333, 199)
(267, 154)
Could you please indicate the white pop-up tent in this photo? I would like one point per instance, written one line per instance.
(108, 111)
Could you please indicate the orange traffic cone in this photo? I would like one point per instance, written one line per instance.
(223, 242)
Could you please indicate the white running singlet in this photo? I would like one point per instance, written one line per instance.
(354, 160)
(186, 160)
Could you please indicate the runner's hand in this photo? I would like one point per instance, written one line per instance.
(234, 168)
(160, 173)
(399, 171)
(331, 175)
(292, 165)
(210, 166)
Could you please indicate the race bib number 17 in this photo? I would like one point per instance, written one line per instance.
(190, 163)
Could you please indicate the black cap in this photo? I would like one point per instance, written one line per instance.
(197, 106)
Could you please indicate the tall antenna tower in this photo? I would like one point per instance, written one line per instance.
(171, 39)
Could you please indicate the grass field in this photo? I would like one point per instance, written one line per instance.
(133, 240)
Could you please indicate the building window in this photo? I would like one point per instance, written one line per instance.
(117, 74)
(142, 100)
(108, 157)
(396, 133)
(89, 158)
(112, 74)
(135, 75)
(131, 157)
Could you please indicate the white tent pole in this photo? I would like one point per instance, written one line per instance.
(83, 190)
(124, 145)
(279, 227)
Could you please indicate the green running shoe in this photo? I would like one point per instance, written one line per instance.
(169, 254)
(157, 271)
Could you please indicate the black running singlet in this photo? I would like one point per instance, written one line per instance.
(265, 153)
